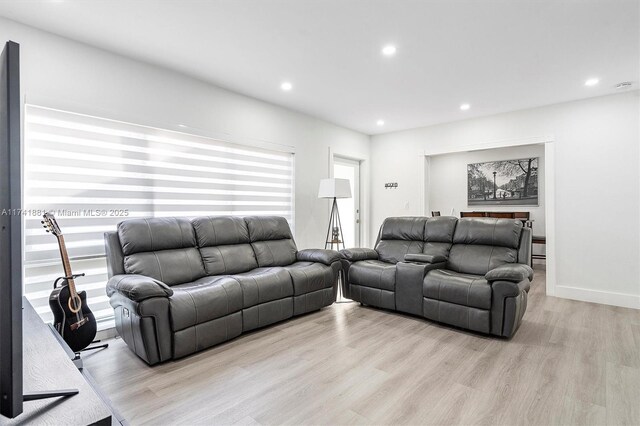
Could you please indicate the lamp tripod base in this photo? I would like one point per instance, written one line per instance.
(334, 238)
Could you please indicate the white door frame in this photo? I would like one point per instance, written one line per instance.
(550, 190)
(357, 225)
(364, 212)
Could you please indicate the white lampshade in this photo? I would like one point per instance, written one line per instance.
(334, 188)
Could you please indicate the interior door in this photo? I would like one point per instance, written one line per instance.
(349, 208)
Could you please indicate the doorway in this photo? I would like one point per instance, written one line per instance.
(544, 226)
(349, 208)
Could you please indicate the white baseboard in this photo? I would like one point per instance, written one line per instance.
(597, 296)
(106, 334)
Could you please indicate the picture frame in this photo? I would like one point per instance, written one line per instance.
(503, 182)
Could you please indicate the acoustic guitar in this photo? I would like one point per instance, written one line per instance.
(72, 317)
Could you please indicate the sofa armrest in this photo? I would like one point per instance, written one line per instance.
(425, 258)
(137, 287)
(514, 272)
(319, 255)
(359, 253)
(504, 289)
(508, 305)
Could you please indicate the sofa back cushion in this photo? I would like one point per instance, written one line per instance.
(438, 235)
(161, 248)
(400, 236)
(271, 240)
(224, 244)
(482, 244)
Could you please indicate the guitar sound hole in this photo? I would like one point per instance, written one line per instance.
(75, 303)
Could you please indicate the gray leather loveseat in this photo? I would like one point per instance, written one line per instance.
(178, 286)
(472, 273)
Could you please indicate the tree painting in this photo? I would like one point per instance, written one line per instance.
(505, 182)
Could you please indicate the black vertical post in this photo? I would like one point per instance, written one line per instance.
(341, 234)
(330, 228)
(494, 185)
(10, 235)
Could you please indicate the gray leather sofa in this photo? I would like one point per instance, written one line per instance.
(472, 273)
(178, 286)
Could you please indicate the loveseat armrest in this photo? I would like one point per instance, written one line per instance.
(508, 305)
(137, 287)
(359, 253)
(425, 258)
(515, 273)
(319, 255)
(503, 288)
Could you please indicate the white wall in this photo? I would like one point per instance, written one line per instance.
(597, 184)
(60, 73)
(447, 175)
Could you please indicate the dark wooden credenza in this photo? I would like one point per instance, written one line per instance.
(523, 216)
(48, 366)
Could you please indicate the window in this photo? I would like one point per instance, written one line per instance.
(93, 173)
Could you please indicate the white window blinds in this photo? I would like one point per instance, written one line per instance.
(93, 173)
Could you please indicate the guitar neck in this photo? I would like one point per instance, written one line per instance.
(66, 265)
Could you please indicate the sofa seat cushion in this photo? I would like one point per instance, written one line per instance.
(458, 288)
(224, 245)
(479, 259)
(161, 248)
(400, 236)
(374, 274)
(168, 266)
(394, 251)
(310, 276)
(203, 300)
(482, 244)
(272, 240)
(263, 285)
(438, 235)
(155, 234)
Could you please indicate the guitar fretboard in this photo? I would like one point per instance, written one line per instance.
(66, 265)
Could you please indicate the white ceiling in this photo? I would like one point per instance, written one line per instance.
(496, 55)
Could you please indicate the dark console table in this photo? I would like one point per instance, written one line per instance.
(523, 216)
(47, 366)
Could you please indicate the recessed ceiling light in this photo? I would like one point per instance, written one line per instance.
(286, 86)
(380, 123)
(389, 50)
(591, 82)
(182, 125)
(465, 107)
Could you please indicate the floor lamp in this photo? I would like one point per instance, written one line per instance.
(334, 188)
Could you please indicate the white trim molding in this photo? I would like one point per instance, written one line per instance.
(550, 215)
(503, 143)
(550, 182)
(364, 190)
(425, 203)
(624, 300)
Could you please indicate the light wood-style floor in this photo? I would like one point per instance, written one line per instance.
(570, 363)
